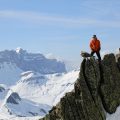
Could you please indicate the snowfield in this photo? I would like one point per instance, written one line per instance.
(9, 73)
(115, 116)
(38, 93)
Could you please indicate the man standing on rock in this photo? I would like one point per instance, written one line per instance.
(95, 47)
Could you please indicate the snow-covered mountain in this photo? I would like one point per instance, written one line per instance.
(14, 105)
(31, 61)
(35, 94)
(45, 88)
(14, 62)
(30, 84)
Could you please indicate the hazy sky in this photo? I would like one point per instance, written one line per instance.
(61, 27)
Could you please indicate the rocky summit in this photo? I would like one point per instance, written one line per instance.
(96, 92)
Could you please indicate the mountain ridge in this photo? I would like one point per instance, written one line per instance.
(14, 62)
(32, 61)
(96, 92)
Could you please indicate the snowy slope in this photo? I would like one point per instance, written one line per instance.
(115, 116)
(9, 73)
(26, 73)
(3, 93)
(38, 93)
(15, 105)
(45, 88)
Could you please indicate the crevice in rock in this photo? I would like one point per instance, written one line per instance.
(71, 106)
(100, 82)
(118, 63)
(99, 87)
(90, 90)
(110, 83)
(84, 61)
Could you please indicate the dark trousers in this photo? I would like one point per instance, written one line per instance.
(97, 53)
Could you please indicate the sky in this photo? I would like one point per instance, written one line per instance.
(62, 28)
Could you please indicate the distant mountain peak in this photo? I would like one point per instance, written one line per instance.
(14, 62)
(20, 50)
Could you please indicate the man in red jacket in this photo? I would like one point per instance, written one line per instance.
(95, 47)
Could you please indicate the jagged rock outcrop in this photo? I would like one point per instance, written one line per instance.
(118, 59)
(97, 90)
(85, 54)
(118, 63)
(110, 88)
(118, 55)
(14, 98)
(2, 89)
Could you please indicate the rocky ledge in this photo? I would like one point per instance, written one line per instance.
(96, 92)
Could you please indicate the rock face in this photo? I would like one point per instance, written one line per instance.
(118, 63)
(13, 98)
(111, 87)
(2, 89)
(118, 55)
(96, 90)
(118, 60)
(85, 54)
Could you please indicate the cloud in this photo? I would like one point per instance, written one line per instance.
(44, 18)
(52, 56)
(47, 19)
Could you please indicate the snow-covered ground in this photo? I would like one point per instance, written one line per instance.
(45, 88)
(30, 84)
(115, 116)
(38, 94)
(9, 73)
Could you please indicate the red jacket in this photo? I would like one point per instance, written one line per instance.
(95, 45)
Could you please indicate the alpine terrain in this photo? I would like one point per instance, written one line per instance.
(33, 87)
(96, 93)
(30, 84)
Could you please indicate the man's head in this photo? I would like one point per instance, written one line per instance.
(94, 37)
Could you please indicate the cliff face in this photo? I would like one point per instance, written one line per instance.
(96, 90)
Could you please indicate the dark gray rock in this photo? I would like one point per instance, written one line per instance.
(85, 54)
(118, 63)
(118, 55)
(84, 102)
(97, 90)
(118, 60)
(2, 89)
(111, 83)
(14, 98)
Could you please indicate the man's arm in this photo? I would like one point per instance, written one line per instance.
(92, 46)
